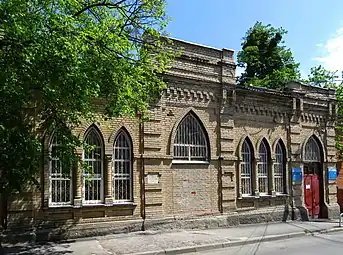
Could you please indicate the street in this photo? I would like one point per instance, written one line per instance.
(318, 244)
(330, 244)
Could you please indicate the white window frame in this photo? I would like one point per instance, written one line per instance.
(59, 177)
(246, 165)
(281, 164)
(121, 176)
(263, 168)
(185, 145)
(97, 177)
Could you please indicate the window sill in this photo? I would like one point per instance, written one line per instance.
(60, 206)
(265, 195)
(92, 204)
(262, 196)
(247, 197)
(119, 204)
(281, 195)
(122, 204)
(190, 162)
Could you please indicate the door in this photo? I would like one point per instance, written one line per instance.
(312, 196)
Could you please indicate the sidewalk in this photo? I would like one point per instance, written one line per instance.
(177, 242)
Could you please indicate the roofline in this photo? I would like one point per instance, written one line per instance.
(199, 45)
(310, 86)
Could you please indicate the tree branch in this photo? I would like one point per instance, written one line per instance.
(99, 4)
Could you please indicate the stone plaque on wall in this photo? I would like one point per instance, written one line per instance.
(153, 178)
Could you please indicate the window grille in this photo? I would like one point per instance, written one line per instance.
(279, 168)
(122, 169)
(93, 175)
(246, 169)
(190, 141)
(312, 151)
(262, 168)
(60, 184)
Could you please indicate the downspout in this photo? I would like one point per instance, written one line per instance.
(42, 172)
(142, 169)
(289, 149)
(326, 180)
(220, 170)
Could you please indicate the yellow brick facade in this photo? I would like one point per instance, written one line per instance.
(202, 81)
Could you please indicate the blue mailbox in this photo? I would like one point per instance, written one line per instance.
(297, 174)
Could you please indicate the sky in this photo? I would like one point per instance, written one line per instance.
(315, 27)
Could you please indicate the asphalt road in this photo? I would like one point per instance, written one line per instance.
(329, 244)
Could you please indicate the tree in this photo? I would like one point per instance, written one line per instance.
(321, 77)
(58, 58)
(267, 62)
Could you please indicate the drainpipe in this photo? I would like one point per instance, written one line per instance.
(220, 170)
(289, 148)
(42, 182)
(142, 169)
(326, 181)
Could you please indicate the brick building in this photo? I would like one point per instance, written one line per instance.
(209, 148)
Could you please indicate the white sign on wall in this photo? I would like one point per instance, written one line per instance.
(153, 178)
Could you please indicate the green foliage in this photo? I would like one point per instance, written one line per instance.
(58, 58)
(321, 77)
(268, 63)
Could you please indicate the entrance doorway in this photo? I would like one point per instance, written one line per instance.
(313, 179)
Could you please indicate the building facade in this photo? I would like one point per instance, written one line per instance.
(210, 147)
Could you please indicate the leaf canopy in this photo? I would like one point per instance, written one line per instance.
(267, 62)
(62, 61)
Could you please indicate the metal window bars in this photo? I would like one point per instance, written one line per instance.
(312, 150)
(262, 169)
(93, 179)
(59, 181)
(246, 169)
(122, 169)
(190, 141)
(279, 169)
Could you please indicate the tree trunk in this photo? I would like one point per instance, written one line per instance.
(3, 219)
(2, 250)
(3, 211)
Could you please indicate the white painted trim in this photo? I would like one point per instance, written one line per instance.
(189, 162)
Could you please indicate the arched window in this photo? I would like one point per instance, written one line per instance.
(93, 171)
(59, 178)
(190, 141)
(312, 150)
(262, 167)
(280, 168)
(246, 168)
(122, 168)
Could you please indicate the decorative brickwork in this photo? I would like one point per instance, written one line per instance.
(202, 82)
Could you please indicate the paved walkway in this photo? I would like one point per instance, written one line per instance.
(176, 242)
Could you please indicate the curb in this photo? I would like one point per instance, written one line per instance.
(206, 247)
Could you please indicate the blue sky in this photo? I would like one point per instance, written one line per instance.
(315, 27)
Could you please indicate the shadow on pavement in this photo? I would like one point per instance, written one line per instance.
(30, 249)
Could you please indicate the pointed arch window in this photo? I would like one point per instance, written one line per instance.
(60, 188)
(280, 168)
(246, 168)
(312, 150)
(93, 171)
(262, 168)
(122, 168)
(190, 142)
